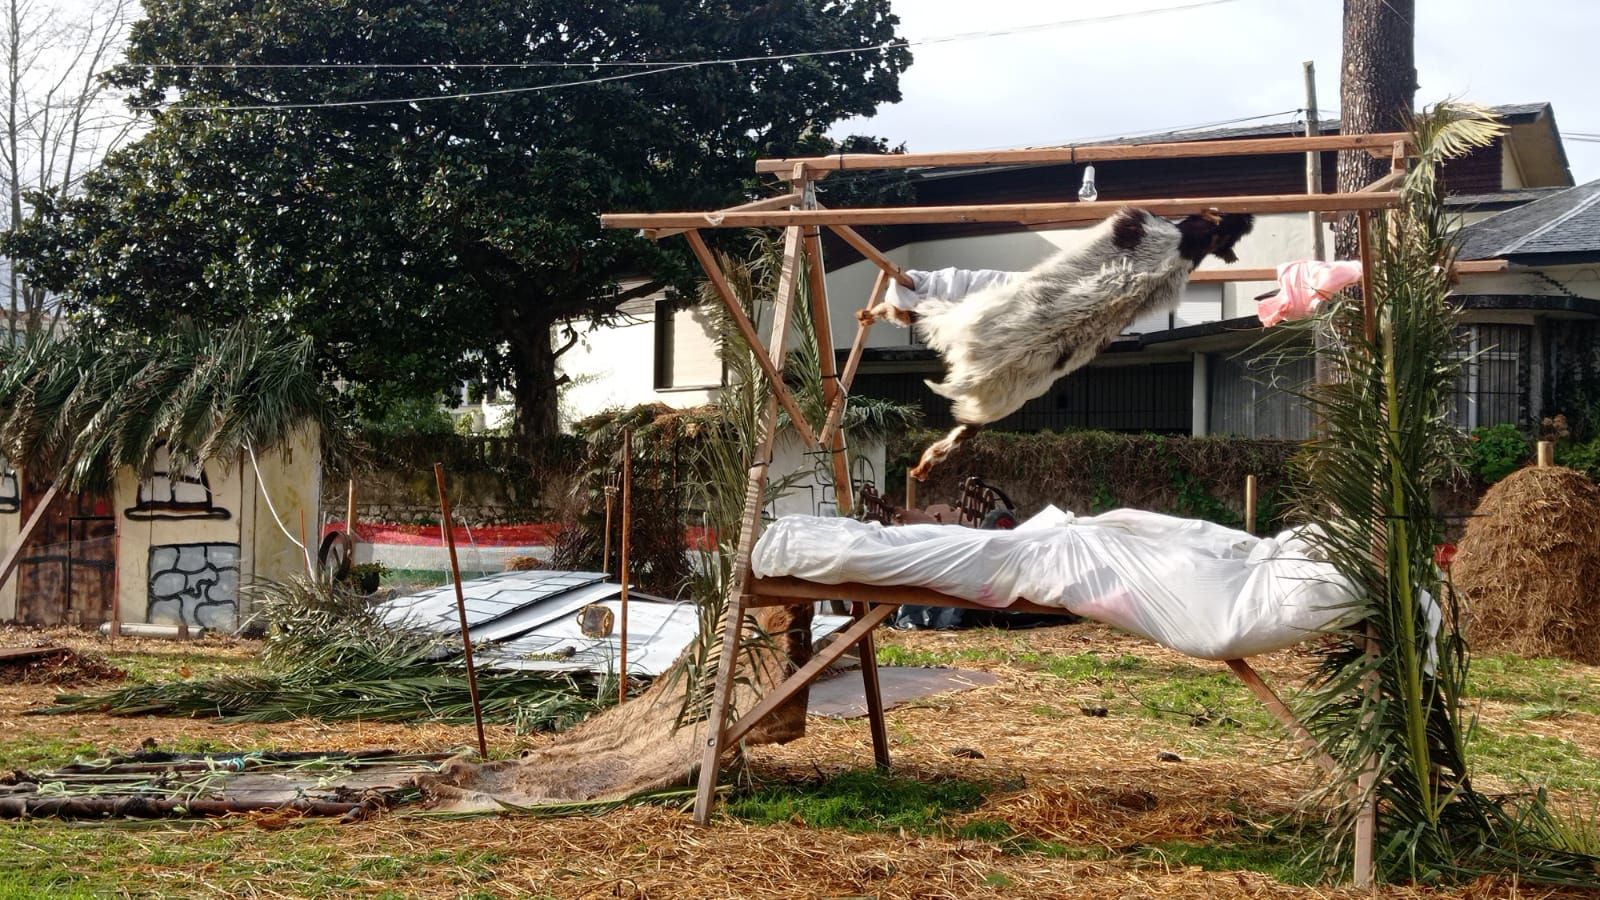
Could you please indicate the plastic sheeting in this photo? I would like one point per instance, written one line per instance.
(1197, 587)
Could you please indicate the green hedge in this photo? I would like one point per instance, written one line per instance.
(1093, 471)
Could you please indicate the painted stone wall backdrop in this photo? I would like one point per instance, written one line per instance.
(195, 583)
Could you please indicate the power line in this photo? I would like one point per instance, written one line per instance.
(649, 68)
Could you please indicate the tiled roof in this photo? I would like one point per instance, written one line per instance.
(1561, 224)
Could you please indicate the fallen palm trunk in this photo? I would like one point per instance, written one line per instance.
(34, 807)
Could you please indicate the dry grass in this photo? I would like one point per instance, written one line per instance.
(1108, 818)
(1529, 566)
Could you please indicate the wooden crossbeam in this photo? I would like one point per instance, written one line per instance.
(1016, 213)
(14, 555)
(752, 339)
(1376, 143)
(782, 201)
(873, 254)
(779, 695)
(1263, 273)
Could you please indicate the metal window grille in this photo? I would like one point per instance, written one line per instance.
(1492, 388)
(1253, 396)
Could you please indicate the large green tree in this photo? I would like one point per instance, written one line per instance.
(430, 241)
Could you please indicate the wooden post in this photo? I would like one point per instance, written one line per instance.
(750, 529)
(350, 517)
(873, 692)
(911, 492)
(1250, 503)
(605, 542)
(832, 393)
(624, 571)
(1313, 160)
(449, 530)
(1547, 454)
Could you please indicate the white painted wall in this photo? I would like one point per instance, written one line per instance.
(614, 367)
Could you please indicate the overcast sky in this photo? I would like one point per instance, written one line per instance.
(1240, 58)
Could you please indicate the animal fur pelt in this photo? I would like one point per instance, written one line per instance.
(1007, 344)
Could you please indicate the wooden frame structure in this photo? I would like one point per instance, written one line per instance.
(801, 217)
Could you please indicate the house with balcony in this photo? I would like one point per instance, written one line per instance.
(1202, 369)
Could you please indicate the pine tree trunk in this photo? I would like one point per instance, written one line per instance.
(1377, 90)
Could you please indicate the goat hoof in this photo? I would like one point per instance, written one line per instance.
(920, 473)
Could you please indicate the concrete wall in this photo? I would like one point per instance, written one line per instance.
(191, 564)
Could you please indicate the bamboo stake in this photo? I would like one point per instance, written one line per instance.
(350, 517)
(1366, 830)
(1313, 159)
(1250, 503)
(623, 570)
(605, 543)
(1547, 454)
(449, 530)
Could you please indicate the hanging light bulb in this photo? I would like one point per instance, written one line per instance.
(1088, 193)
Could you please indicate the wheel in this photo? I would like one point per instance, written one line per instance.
(336, 556)
(999, 519)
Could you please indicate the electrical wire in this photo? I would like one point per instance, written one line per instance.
(650, 68)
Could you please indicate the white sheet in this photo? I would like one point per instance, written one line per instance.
(944, 284)
(1199, 588)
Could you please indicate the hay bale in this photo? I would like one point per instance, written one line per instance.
(1529, 566)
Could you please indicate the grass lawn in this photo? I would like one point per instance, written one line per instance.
(1098, 765)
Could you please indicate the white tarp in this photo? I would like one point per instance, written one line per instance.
(1199, 588)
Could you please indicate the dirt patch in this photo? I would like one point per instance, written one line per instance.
(57, 666)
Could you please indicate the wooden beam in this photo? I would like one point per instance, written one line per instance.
(749, 529)
(832, 396)
(730, 302)
(873, 254)
(1019, 213)
(14, 554)
(780, 694)
(872, 692)
(1089, 154)
(782, 201)
(853, 362)
(785, 590)
(1265, 273)
(1281, 712)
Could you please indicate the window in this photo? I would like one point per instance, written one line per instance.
(1492, 388)
(182, 495)
(686, 356)
(1252, 396)
(10, 496)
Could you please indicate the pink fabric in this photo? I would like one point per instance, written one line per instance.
(1302, 285)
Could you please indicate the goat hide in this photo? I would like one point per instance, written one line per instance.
(1007, 344)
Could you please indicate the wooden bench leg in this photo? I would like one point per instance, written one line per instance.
(874, 695)
(717, 722)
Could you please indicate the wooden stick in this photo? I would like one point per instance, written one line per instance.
(852, 362)
(779, 202)
(872, 254)
(1250, 503)
(624, 568)
(1263, 273)
(1281, 712)
(1090, 154)
(350, 517)
(769, 362)
(749, 530)
(911, 491)
(832, 395)
(1021, 213)
(448, 528)
(807, 673)
(1547, 454)
(605, 541)
(873, 692)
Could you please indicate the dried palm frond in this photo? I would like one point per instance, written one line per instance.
(328, 656)
(83, 405)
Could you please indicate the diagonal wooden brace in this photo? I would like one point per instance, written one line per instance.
(807, 673)
(847, 377)
(751, 338)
